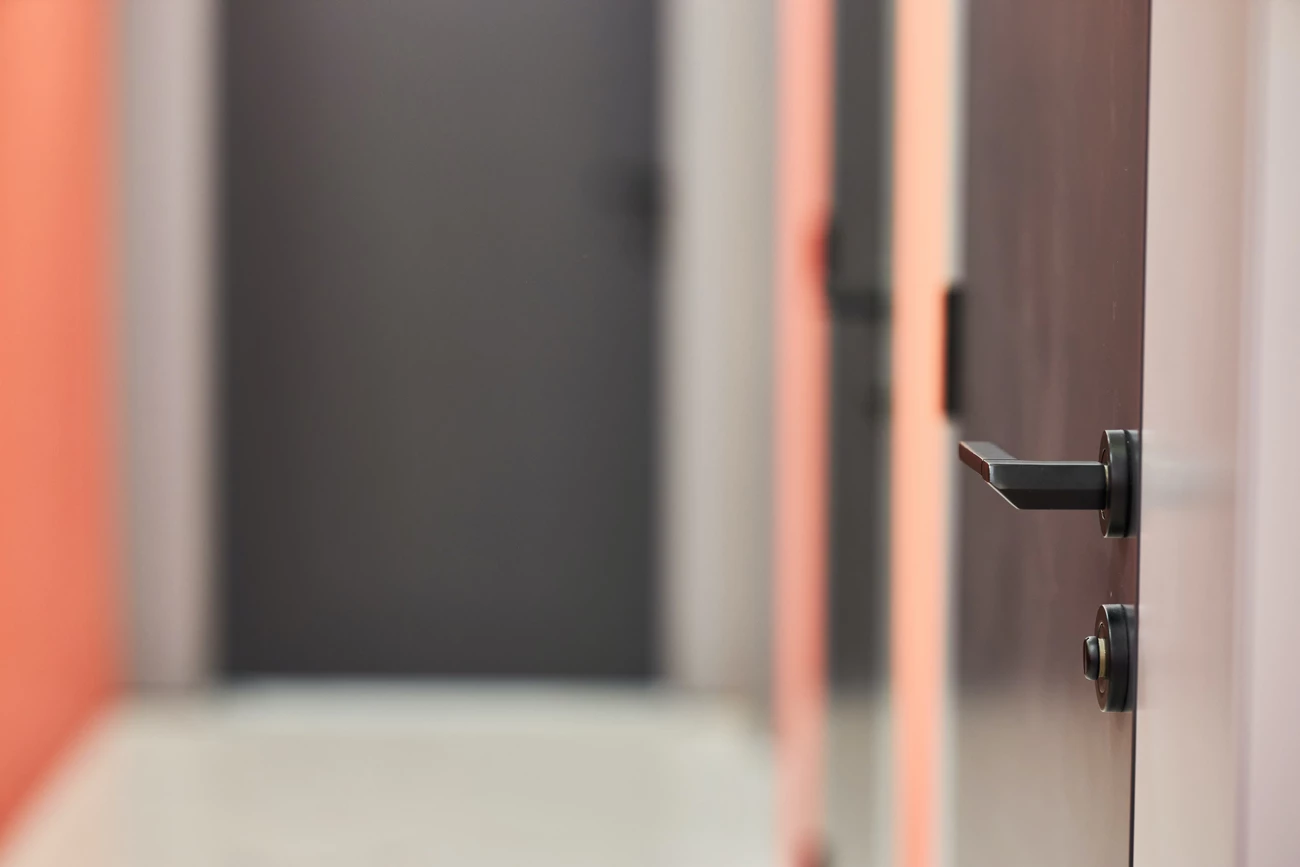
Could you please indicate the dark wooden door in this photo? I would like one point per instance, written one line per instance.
(1054, 260)
(438, 345)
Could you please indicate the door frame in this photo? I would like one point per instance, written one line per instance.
(1215, 766)
(926, 243)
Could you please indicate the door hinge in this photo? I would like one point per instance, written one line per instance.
(848, 300)
(953, 346)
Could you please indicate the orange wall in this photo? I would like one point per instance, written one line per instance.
(804, 142)
(57, 649)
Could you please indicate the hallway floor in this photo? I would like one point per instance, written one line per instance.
(288, 775)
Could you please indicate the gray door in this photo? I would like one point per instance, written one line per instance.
(1055, 220)
(858, 287)
(438, 307)
(858, 282)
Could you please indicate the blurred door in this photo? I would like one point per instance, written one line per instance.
(857, 280)
(1056, 153)
(438, 309)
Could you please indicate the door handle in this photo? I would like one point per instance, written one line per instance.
(1104, 484)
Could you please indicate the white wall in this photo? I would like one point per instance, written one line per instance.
(716, 347)
(166, 147)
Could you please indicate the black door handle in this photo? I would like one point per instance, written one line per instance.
(1103, 484)
(1038, 484)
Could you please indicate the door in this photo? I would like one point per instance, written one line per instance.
(438, 308)
(1056, 146)
(858, 760)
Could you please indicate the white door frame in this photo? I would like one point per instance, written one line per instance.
(1216, 764)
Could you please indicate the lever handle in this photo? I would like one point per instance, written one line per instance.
(1038, 484)
(1102, 485)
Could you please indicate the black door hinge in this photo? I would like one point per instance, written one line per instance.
(954, 326)
(862, 302)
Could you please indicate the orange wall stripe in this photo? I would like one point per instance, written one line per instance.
(804, 143)
(57, 645)
(921, 443)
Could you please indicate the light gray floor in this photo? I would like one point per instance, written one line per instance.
(407, 775)
(859, 766)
